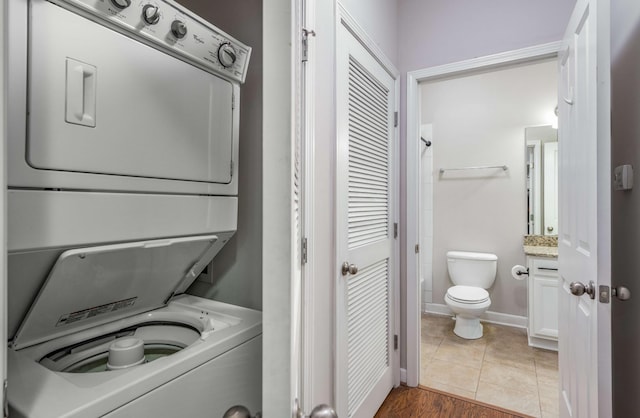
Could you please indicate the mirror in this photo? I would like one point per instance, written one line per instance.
(541, 160)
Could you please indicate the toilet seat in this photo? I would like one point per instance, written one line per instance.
(468, 294)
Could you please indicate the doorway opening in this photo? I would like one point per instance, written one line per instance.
(472, 196)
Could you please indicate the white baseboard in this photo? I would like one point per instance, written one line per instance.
(491, 317)
(403, 375)
(437, 308)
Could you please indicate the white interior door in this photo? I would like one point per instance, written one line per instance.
(365, 219)
(582, 243)
(550, 188)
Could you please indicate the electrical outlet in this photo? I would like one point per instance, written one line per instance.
(205, 276)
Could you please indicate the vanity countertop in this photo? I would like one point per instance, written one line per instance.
(540, 251)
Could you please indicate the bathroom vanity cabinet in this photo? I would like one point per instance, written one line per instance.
(543, 302)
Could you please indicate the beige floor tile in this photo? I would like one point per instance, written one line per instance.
(547, 357)
(430, 383)
(437, 326)
(425, 359)
(509, 356)
(495, 332)
(468, 352)
(429, 345)
(510, 341)
(452, 374)
(549, 385)
(525, 402)
(549, 394)
(509, 377)
(549, 408)
(499, 369)
(480, 342)
(547, 371)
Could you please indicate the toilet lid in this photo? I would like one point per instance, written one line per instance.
(468, 294)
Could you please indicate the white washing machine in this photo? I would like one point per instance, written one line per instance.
(122, 174)
(110, 334)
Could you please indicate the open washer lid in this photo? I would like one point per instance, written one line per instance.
(91, 286)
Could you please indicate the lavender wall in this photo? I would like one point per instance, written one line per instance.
(379, 18)
(435, 32)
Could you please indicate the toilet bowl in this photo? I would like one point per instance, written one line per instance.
(471, 273)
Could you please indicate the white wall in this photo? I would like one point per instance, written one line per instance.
(480, 120)
(237, 269)
(426, 217)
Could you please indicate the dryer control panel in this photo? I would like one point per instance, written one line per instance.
(168, 26)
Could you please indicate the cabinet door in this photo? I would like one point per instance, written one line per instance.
(544, 321)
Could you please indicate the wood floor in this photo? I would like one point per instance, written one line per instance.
(406, 402)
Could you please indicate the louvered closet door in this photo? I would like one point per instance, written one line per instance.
(365, 236)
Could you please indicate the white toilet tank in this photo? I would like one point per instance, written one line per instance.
(472, 269)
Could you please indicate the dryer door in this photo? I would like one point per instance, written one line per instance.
(103, 103)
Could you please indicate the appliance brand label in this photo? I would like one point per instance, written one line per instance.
(72, 317)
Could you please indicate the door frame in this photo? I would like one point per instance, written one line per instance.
(279, 368)
(412, 172)
(4, 61)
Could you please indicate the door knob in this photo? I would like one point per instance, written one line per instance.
(349, 268)
(549, 229)
(621, 292)
(580, 289)
(239, 411)
(323, 411)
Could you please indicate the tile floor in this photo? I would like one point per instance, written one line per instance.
(499, 369)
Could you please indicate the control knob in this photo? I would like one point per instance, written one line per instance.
(121, 4)
(179, 29)
(227, 55)
(151, 14)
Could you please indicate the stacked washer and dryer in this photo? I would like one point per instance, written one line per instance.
(123, 181)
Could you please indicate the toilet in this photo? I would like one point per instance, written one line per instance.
(471, 273)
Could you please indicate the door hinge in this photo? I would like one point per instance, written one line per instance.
(395, 341)
(304, 55)
(395, 230)
(231, 169)
(304, 251)
(417, 249)
(233, 101)
(395, 119)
